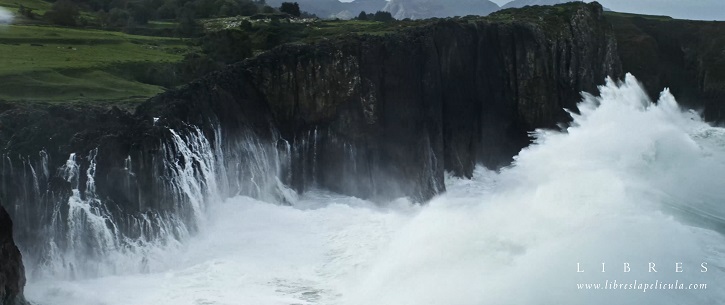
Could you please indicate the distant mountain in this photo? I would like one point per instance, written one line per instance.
(522, 3)
(335, 8)
(420, 9)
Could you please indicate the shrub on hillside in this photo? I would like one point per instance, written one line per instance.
(290, 8)
(63, 12)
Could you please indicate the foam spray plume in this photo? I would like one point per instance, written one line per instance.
(6, 17)
(629, 181)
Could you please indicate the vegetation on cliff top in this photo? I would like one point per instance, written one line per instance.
(107, 62)
(57, 63)
(98, 60)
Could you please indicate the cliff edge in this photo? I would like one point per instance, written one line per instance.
(375, 116)
(12, 272)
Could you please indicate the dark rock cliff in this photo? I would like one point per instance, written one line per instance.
(369, 116)
(12, 273)
(444, 96)
(683, 55)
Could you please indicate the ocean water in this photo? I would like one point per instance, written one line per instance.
(629, 185)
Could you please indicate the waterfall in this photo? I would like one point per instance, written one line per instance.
(100, 212)
(90, 231)
(191, 171)
(75, 230)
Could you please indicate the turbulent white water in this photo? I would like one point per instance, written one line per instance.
(629, 182)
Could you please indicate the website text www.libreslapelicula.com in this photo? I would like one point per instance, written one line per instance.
(643, 286)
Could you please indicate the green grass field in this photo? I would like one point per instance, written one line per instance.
(312, 30)
(333, 27)
(34, 48)
(652, 17)
(41, 62)
(38, 6)
(55, 63)
(52, 63)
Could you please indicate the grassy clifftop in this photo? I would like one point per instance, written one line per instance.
(66, 64)
(43, 62)
(62, 64)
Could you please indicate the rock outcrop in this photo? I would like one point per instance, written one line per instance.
(683, 55)
(415, 103)
(374, 116)
(12, 273)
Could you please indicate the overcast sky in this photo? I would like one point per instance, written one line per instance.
(683, 9)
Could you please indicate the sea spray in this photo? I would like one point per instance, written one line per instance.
(6, 17)
(86, 235)
(596, 192)
(628, 182)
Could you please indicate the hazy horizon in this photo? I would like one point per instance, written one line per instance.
(698, 10)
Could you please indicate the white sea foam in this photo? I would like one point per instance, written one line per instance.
(629, 182)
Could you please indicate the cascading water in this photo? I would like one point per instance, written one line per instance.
(90, 233)
(628, 184)
(192, 176)
(87, 236)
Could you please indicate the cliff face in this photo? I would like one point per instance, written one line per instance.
(522, 78)
(12, 273)
(370, 116)
(416, 103)
(685, 56)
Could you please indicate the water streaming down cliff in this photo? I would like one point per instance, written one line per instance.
(87, 225)
(71, 230)
(80, 234)
(628, 181)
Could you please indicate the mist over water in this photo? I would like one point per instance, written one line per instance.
(630, 181)
(6, 17)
